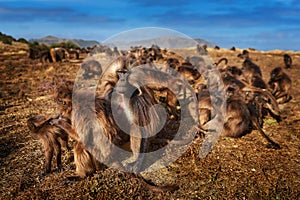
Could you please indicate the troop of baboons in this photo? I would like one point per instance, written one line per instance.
(58, 54)
(248, 100)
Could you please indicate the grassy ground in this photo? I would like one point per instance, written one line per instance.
(235, 169)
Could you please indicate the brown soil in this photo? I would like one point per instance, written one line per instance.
(235, 169)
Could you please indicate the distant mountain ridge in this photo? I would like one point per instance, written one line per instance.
(164, 42)
(50, 40)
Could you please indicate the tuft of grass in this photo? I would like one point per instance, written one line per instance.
(270, 122)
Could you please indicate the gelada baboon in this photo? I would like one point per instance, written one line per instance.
(250, 70)
(104, 117)
(287, 61)
(244, 54)
(238, 119)
(280, 84)
(113, 136)
(85, 163)
(242, 117)
(52, 137)
(58, 54)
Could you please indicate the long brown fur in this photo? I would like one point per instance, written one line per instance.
(52, 137)
(280, 84)
(238, 120)
(85, 162)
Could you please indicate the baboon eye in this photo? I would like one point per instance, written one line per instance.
(60, 101)
(122, 73)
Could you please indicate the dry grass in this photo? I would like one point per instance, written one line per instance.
(235, 169)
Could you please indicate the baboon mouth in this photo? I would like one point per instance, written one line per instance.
(122, 106)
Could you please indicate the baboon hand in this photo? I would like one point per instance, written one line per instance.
(273, 146)
(56, 121)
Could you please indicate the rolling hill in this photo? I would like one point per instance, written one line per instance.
(49, 40)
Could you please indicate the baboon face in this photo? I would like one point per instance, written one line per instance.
(232, 90)
(276, 73)
(64, 101)
(250, 69)
(280, 84)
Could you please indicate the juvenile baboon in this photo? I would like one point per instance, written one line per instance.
(52, 137)
(244, 54)
(280, 84)
(287, 61)
(238, 119)
(250, 69)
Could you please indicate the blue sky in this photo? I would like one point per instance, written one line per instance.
(265, 24)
